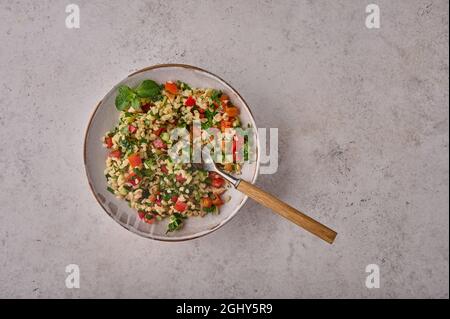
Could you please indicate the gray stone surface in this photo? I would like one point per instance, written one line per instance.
(363, 122)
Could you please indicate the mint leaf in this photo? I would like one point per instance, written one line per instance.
(136, 103)
(127, 97)
(124, 97)
(149, 88)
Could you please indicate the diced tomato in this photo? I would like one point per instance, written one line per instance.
(149, 218)
(152, 198)
(224, 97)
(134, 160)
(164, 169)
(202, 115)
(206, 202)
(158, 201)
(108, 141)
(190, 101)
(115, 154)
(158, 143)
(132, 129)
(159, 131)
(180, 206)
(201, 111)
(180, 178)
(174, 198)
(133, 179)
(217, 182)
(141, 215)
(171, 87)
(232, 111)
(217, 201)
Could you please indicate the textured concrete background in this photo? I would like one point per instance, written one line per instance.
(363, 122)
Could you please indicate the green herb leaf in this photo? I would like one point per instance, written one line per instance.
(110, 190)
(148, 173)
(175, 222)
(124, 97)
(211, 209)
(127, 144)
(149, 89)
(149, 162)
(210, 115)
(137, 171)
(136, 103)
(206, 125)
(183, 85)
(215, 96)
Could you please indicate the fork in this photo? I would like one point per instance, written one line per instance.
(271, 201)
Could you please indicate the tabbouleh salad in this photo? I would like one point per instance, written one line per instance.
(138, 167)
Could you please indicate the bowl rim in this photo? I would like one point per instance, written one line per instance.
(198, 234)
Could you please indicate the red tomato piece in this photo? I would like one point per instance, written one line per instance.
(134, 160)
(171, 87)
(158, 143)
(217, 182)
(217, 201)
(174, 198)
(133, 179)
(180, 178)
(132, 129)
(180, 206)
(115, 154)
(190, 101)
(108, 142)
(159, 131)
(232, 111)
(206, 202)
(149, 218)
(164, 169)
(141, 215)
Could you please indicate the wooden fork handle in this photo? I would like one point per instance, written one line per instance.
(287, 211)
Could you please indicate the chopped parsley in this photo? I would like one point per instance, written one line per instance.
(175, 222)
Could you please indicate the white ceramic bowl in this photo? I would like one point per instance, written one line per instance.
(105, 116)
